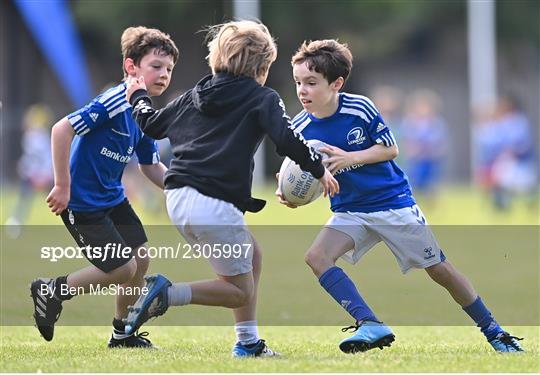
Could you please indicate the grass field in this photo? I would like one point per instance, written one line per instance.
(304, 349)
(299, 323)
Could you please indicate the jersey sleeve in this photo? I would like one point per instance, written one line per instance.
(147, 151)
(380, 133)
(99, 110)
(277, 124)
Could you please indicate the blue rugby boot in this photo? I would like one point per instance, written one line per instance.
(149, 305)
(369, 335)
(505, 343)
(259, 349)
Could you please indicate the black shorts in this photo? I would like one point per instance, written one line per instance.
(111, 236)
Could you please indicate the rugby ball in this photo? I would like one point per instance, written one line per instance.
(297, 186)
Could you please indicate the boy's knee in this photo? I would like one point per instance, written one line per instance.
(245, 297)
(143, 261)
(125, 272)
(241, 297)
(316, 259)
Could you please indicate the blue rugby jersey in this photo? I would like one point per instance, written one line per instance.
(357, 125)
(106, 138)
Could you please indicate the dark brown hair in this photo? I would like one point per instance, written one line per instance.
(138, 41)
(327, 57)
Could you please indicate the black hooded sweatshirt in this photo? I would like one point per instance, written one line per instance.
(214, 130)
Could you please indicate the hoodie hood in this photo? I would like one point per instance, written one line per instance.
(215, 95)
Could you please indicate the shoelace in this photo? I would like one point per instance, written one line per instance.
(142, 335)
(356, 326)
(510, 340)
(352, 328)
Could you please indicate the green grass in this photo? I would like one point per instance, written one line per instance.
(490, 243)
(304, 349)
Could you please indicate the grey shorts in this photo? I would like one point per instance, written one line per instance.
(215, 227)
(405, 232)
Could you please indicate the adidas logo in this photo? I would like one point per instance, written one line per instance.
(94, 116)
(380, 127)
(345, 303)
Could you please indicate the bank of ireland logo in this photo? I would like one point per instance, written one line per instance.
(356, 136)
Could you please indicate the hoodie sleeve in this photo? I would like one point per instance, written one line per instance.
(154, 123)
(277, 124)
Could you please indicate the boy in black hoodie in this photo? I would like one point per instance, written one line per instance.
(215, 129)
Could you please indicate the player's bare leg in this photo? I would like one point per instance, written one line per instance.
(119, 337)
(123, 300)
(459, 287)
(329, 245)
(226, 291)
(462, 291)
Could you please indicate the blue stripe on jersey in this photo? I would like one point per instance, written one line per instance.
(361, 107)
(115, 101)
(361, 104)
(357, 112)
(78, 123)
(119, 109)
(387, 139)
(115, 105)
(360, 98)
(299, 118)
(301, 126)
(111, 93)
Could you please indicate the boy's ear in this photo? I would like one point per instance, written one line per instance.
(129, 67)
(338, 83)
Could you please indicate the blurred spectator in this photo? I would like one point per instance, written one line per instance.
(506, 157)
(388, 100)
(425, 142)
(35, 165)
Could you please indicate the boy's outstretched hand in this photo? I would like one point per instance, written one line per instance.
(133, 84)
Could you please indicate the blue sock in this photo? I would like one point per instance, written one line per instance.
(342, 289)
(483, 319)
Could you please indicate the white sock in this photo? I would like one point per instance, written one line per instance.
(179, 294)
(247, 332)
(119, 335)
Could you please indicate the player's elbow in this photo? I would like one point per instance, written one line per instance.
(393, 152)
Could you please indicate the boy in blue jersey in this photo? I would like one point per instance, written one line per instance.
(375, 202)
(91, 148)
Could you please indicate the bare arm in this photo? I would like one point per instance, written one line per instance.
(61, 137)
(339, 159)
(155, 173)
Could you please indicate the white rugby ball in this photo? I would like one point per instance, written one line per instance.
(297, 186)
